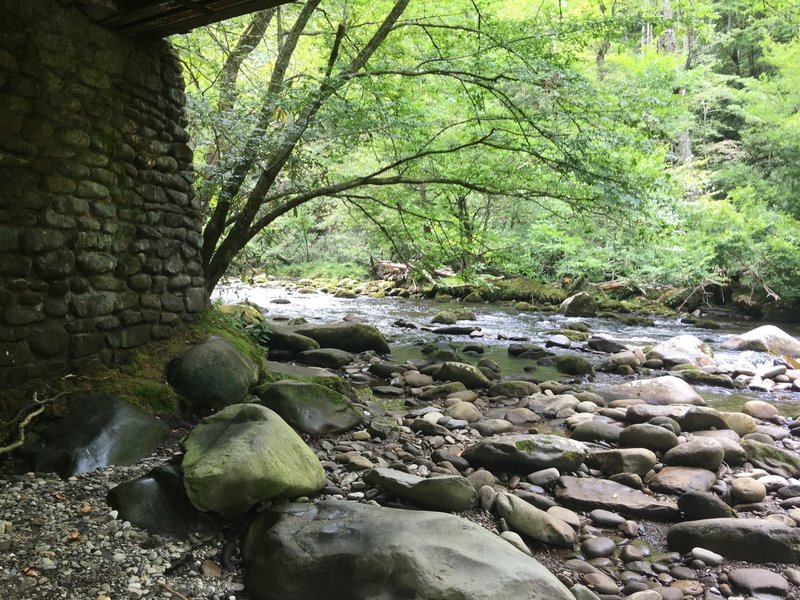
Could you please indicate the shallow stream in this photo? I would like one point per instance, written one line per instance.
(499, 322)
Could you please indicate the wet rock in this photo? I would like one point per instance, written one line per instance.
(97, 430)
(309, 407)
(662, 391)
(697, 452)
(533, 522)
(600, 583)
(212, 375)
(290, 549)
(281, 338)
(441, 391)
(598, 546)
(526, 453)
(698, 505)
(623, 460)
(606, 345)
(345, 335)
(589, 493)
(447, 493)
(573, 365)
(678, 480)
(158, 503)
(753, 540)
(245, 454)
(772, 459)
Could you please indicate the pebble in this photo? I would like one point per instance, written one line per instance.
(707, 556)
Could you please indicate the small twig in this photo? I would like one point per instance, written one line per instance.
(21, 422)
(169, 590)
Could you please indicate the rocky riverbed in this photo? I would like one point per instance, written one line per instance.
(339, 455)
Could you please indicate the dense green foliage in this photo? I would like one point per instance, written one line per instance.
(657, 142)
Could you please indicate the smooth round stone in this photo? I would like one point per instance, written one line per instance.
(681, 572)
(568, 516)
(598, 546)
(689, 587)
(712, 559)
(586, 407)
(748, 490)
(545, 477)
(670, 593)
(630, 553)
(606, 518)
(486, 497)
(516, 540)
(645, 595)
(600, 583)
(759, 582)
(760, 410)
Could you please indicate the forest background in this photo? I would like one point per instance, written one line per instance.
(651, 141)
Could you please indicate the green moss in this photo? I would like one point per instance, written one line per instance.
(526, 290)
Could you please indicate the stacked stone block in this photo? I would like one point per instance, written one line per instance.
(99, 227)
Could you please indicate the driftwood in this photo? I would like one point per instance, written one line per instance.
(22, 419)
(387, 270)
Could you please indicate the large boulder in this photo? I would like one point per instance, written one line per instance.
(590, 493)
(346, 335)
(526, 453)
(470, 376)
(514, 389)
(579, 305)
(245, 454)
(328, 358)
(766, 338)
(212, 375)
(447, 492)
(337, 550)
(679, 480)
(658, 390)
(157, 502)
(701, 452)
(753, 540)
(97, 430)
(309, 407)
(682, 349)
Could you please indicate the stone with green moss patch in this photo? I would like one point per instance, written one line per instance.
(309, 407)
(527, 453)
(246, 454)
(573, 365)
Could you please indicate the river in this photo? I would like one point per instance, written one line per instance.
(499, 321)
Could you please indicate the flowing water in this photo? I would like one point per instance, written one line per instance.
(499, 322)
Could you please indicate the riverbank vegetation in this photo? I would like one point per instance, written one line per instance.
(604, 140)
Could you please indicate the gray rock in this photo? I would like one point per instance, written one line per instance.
(533, 522)
(623, 460)
(245, 454)
(346, 335)
(772, 459)
(212, 375)
(514, 389)
(766, 338)
(678, 480)
(158, 503)
(682, 349)
(526, 453)
(383, 426)
(739, 422)
(697, 505)
(281, 338)
(733, 452)
(642, 413)
(759, 582)
(447, 493)
(385, 554)
(590, 493)
(492, 427)
(596, 431)
(760, 410)
(753, 540)
(658, 391)
(701, 418)
(441, 391)
(330, 358)
(598, 546)
(97, 430)
(310, 407)
(644, 435)
(697, 452)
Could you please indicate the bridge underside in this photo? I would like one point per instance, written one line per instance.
(160, 18)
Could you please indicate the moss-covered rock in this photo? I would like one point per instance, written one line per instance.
(309, 407)
(466, 374)
(522, 289)
(345, 335)
(572, 364)
(579, 305)
(248, 314)
(445, 317)
(243, 455)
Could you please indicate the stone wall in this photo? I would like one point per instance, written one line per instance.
(99, 228)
